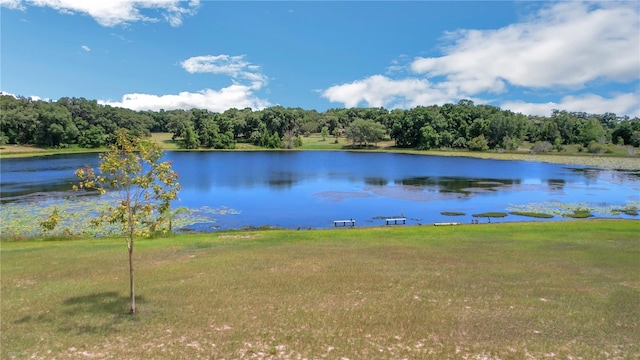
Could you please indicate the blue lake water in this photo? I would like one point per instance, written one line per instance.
(293, 189)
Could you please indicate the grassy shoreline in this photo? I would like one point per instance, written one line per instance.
(508, 291)
(315, 142)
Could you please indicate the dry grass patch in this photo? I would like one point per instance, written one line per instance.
(508, 291)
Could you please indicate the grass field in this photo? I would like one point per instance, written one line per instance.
(563, 290)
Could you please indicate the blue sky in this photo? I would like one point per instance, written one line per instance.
(530, 57)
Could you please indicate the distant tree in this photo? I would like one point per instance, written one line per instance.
(324, 133)
(429, 138)
(460, 143)
(94, 137)
(177, 122)
(364, 132)
(591, 131)
(143, 185)
(478, 143)
(190, 139)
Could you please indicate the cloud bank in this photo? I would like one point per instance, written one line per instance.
(234, 96)
(565, 47)
(246, 78)
(110, 13)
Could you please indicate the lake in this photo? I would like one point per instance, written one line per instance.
(311, 189)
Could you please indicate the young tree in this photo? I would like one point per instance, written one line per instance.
(143, 185)
(324, 133)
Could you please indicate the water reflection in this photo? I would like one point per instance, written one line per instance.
(459, 185)
(556, 184)
(376, 181)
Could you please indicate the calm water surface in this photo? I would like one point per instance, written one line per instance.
(312, 189)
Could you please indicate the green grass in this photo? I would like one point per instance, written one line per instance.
(165, 140)
(315, 142)
(567, 289)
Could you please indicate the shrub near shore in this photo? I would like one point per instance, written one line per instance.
(512, 290)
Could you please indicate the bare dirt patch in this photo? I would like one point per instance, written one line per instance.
(252, 236)
(19, 149)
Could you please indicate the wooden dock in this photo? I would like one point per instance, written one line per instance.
(396, 221)
(344, 222)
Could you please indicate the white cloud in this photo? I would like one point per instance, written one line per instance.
(5, 93)
(234, 96)
(12, 4)
(379, 90)
(620, 104)
(234, 66)
(85, 48)
(237, 95)
(114, 12)
(565, 46)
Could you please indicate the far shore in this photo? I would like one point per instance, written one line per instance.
(314, 142)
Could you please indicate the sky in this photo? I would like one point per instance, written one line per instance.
(528, 57)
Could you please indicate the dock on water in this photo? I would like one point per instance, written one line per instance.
(396, 221)
(351, 222)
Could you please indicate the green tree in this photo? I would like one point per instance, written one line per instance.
(93, 137)
(324, 133)
(190, 139)
(591, 131)
(143, 185)
(429, 138)
(478, 143)
(364, 132)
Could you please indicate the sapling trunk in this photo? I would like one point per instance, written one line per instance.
(132, 292)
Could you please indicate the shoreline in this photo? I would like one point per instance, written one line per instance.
(624, 163)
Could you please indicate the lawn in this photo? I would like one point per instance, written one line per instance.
(568, 289)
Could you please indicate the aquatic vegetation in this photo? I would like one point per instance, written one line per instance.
(73, 217)
(628, 210)
(452, 213)
(579, 214)
(577, 210)
(532, 214)
(491, 214)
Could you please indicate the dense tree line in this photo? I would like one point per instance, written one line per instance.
(465, 125)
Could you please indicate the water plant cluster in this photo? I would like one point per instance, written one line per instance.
(574, 210)
(73, 217)
(548, 210)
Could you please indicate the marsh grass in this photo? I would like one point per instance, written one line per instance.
(569, 289)
(532, 214)
(579, 214)
(491, 214)
(452, 213)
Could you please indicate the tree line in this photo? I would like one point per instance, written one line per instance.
(465, 125)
